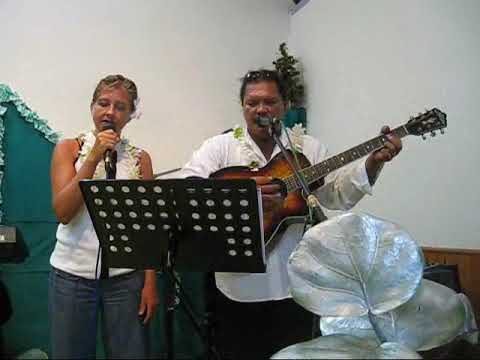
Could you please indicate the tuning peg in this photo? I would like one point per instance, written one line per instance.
(442, 131)
(433, 133)
(424, 137)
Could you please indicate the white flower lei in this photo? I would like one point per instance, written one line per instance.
(297, 133)
(138, 110)
(124, 146)
(296, 136)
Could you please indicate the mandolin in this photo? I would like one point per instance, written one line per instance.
(279, 169)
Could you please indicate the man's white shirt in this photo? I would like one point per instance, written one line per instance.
(341, 191)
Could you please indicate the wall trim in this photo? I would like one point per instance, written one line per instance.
(468, 263)
(452, 250)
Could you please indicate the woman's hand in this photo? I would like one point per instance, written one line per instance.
(105, 140)
(149, 298)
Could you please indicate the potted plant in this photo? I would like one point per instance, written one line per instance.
(286, 65)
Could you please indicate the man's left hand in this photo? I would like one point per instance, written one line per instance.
(390, 149)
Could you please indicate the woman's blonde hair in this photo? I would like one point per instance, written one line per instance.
(113, 81)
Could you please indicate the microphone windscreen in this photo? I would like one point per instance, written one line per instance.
(108, 125)
(263, 121)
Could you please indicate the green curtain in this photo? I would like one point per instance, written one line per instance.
(26, 205)
(26, 194)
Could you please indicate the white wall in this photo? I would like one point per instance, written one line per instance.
(375, 62)
(186, 57)
(366, 63)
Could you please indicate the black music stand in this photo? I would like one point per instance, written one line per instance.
(178, 224)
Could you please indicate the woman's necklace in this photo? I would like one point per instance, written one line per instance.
(132, 158)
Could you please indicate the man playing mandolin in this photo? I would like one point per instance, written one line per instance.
(255, 314)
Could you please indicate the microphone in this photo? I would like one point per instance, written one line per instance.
(110, 156)
(264, 121)
(274, 124)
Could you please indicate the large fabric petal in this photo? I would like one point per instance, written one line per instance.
(345, 347)
(354, 264)
(435, 316)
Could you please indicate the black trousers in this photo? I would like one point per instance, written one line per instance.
(260, 329)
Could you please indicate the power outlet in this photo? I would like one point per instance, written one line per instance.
(8, 235)
(8, 244)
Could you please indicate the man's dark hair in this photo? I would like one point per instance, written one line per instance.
(256, 76)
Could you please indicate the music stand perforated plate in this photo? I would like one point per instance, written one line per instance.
(215, 224)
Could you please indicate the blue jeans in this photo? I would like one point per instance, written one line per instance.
(75, 304)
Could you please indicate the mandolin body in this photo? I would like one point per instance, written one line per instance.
(277, 168)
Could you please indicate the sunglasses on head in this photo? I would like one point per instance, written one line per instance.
(262, 74)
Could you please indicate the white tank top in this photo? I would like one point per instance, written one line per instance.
(77, 243)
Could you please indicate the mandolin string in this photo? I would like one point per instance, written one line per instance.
(325, 167)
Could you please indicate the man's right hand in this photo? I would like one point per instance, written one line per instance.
(272, 198)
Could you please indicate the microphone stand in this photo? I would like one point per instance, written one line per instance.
(110, 160)
(316, 213)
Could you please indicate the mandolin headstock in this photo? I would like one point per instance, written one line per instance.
(427, 122)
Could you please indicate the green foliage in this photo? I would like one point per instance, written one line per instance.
(286, 65)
